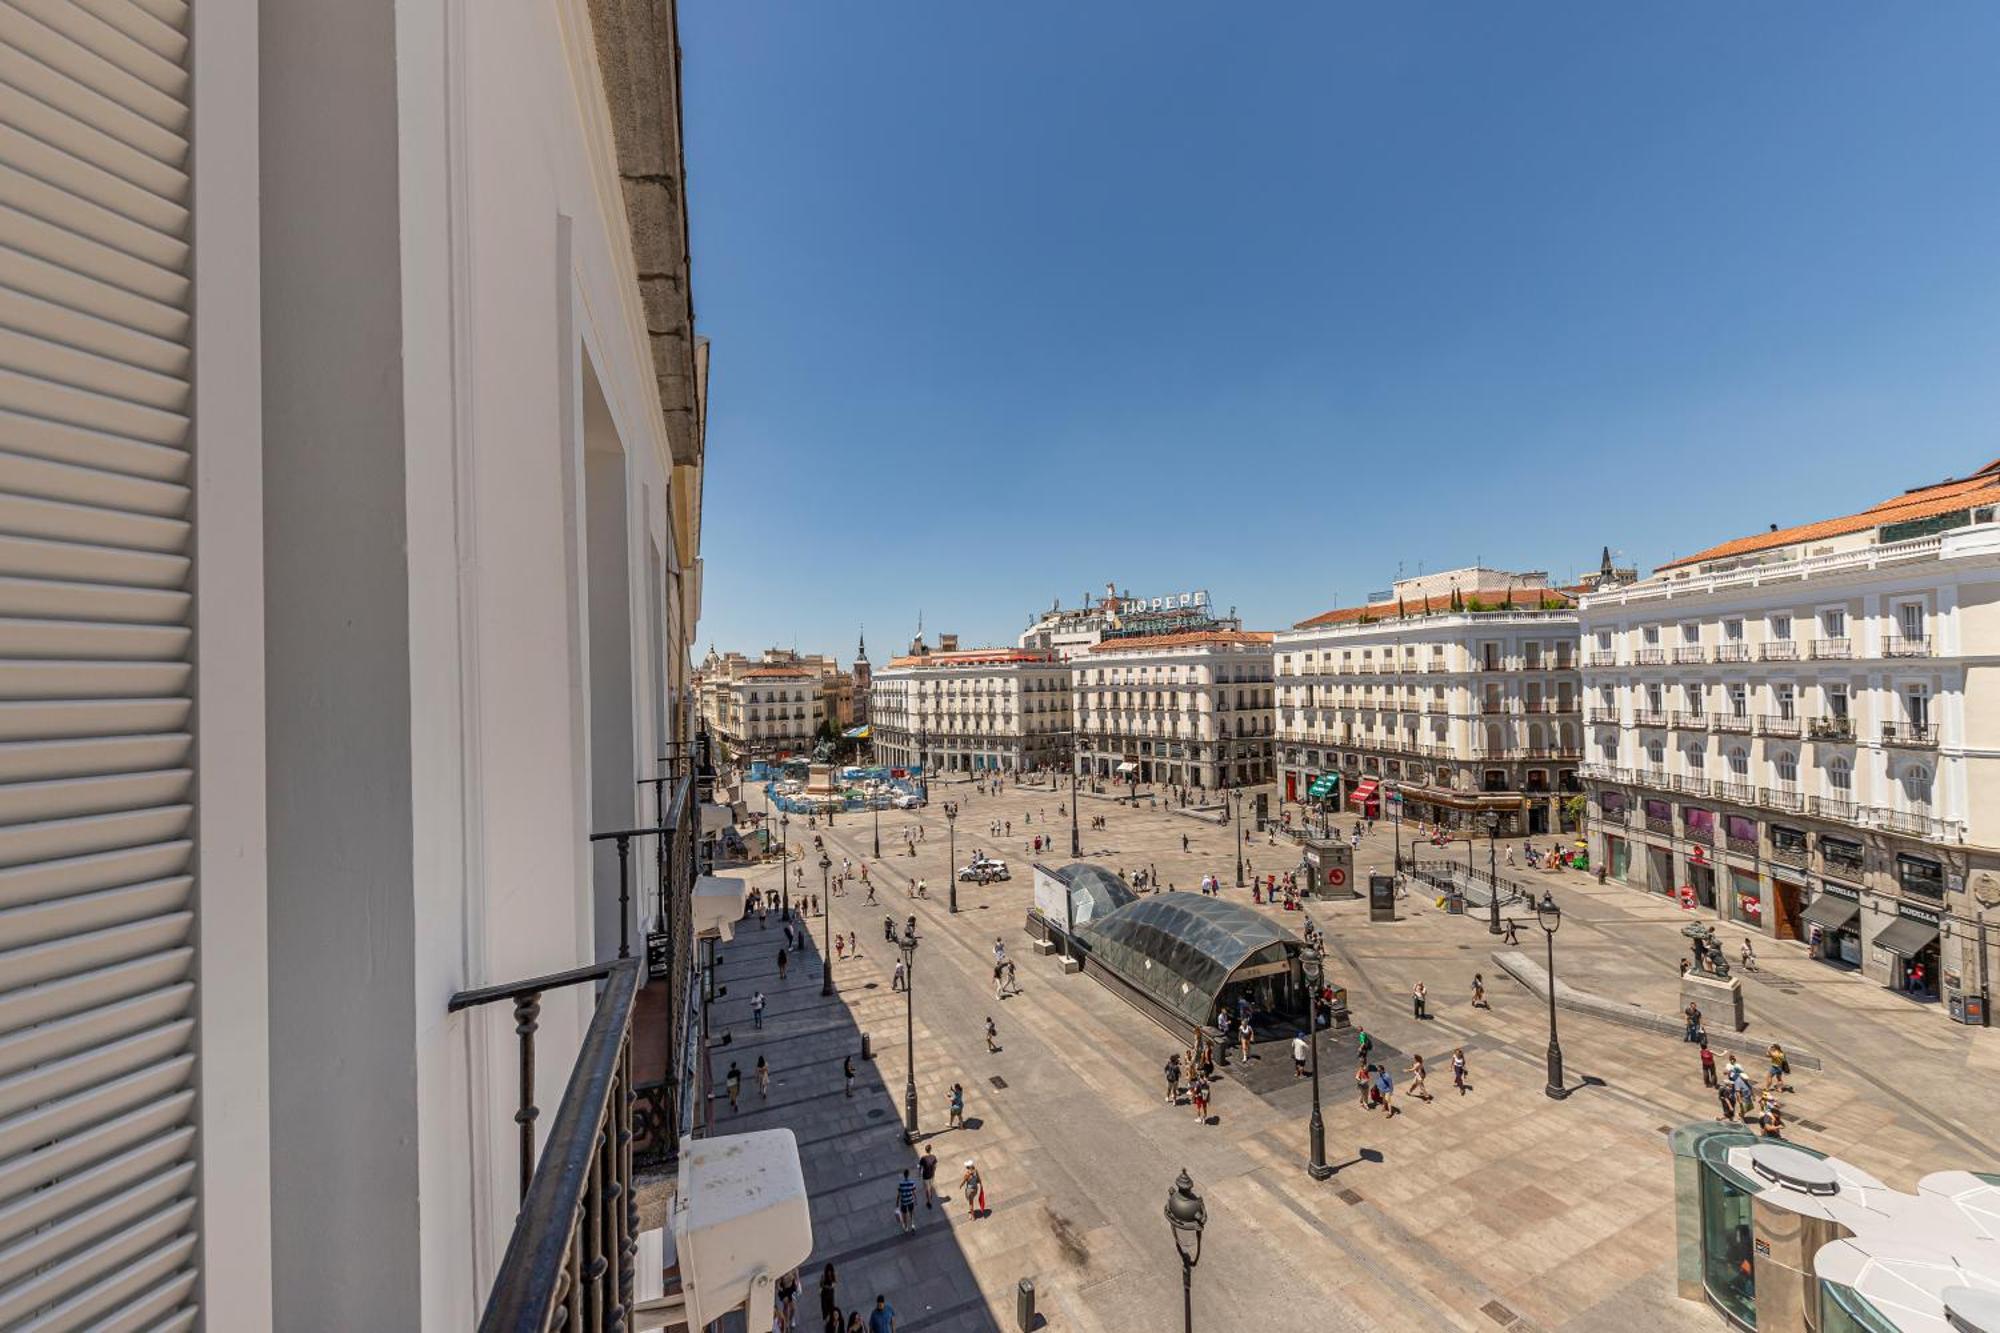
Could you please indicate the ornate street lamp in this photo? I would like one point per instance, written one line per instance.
(951, 868)
(1492, 821)
(1187, 1215)
(785, 862)
(1236, 799)
(1551, 917)
(1075, 834)
(1315, 965)
(875, 803)
(909, 948)
(826, 910)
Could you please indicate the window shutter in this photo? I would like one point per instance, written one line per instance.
(97, 968)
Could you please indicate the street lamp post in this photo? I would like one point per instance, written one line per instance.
(1187, 1215)
(951, 865)
(1236, 799)
(875, 804)
(826, 910)
(1075, 829)
(1316, 974)
(1551, 918)
(909, 947)
(1492, 821)
(785, 863)
(1397, 797)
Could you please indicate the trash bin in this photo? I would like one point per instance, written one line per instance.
(867, 1047)
(1024, 1305)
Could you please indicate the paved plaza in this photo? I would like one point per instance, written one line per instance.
(1496, 1208)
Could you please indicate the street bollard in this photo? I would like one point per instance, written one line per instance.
(867, 1047)
(1024, 1305)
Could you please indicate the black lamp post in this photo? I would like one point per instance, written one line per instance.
(875, 803)
(1492, 821)
(1187, 1215)
(1551, 918)
(1075, 829)
(1397, 797)
(1315, 966)
(909, 947)
(785, 862)
(826, 910)
(951, 866)
(1236, 799)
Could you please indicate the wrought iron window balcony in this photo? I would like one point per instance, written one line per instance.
(1832, 650)
(1788, 856)
(1897, 645)
(1776, 724)
(1778, 650)
(1650, 657)
(1603, 717)
(1659, 824)
(1839, 728)
(1910, 735)
(1685, 720)
(1690, 654)
(1834, 807)
(1732, 652)
(1781, 798)
(1706, 837)
(1740, 792)
(1914, 823)
(1736, 722)
(1690, 784)
(1649, 717)
(1601, 660)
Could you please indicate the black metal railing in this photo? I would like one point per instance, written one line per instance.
(569, 1263)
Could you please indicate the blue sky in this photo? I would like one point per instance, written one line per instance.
(1011, 300)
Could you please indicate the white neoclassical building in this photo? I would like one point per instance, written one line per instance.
(1799, 731)
(1460, 690)
(971, 710)
(1192, 709)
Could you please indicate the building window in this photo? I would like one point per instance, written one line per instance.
(1920, 876)
(1739, 764)
(1739, 700)
(1917, 706)
(1781, 628)
(1917, 789)
(1732, 630)
(1656, 753)
(1787, 765)
(1836, 701)
(1691, 632)
(1840, 778)
(1651, 635)
(1910, 620)
(1787, 700)
(1695, 757)
(1840, 854)
(1833, 623)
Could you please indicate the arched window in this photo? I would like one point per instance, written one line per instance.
(1917, 788)
(1787, 765)
(1739, 763)
(1840, 777)
(1656, 753)
(1696, 757)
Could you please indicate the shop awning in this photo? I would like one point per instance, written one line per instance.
(1906, 937)
(1323, 785)
(1831, 913)
(1364, 791)
(1128, 767)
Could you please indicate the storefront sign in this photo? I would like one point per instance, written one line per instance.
(1171, 602)
(1919, 914)
(1840, 890)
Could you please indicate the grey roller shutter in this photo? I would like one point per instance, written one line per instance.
(97, 965)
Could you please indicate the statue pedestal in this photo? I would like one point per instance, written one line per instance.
(1720, 1001)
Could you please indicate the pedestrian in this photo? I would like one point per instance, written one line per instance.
(957, 1120)
(1781, 1068)
(896, 977)
(1173, 1078)
(1299, 1056)
(969, 1185)
(1417, 1001)
(1684, 965)
(1364, 1083)
(1244, 1034)
(906, 1202)
(1693, 1015)
(992, 1035)
(787, 1315)
(1198, 1094)
(1417, 1088)
(734, 1082)
(1513, 935)
(829, 1299)
(782, 956)
(854, 944)
(1364, 1045)
(1458, 1070)
(839, 947)
(847, 1070)
(757, 1009)
(1013, 985)
(884, 1318)
(763, 1078)
(1707, 1065)
(1386, 1085)
(1479, 992)
(1725, 1094)
(855, 1323)
(927, 1169)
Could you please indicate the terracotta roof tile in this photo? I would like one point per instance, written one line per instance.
(1924, 502)
(1188, 639)
(1530, 598)
(973, 657)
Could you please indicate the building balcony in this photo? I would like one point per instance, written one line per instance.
(1832, 650)
(1650, 657)
(1603, 717)
(1649, 717)
(1690, 654)
(1787, 856)
(1706, 837)
(1689, 784)
(1601, 659)
(1910, 735)
(1781, 798)
(1830, 728)
(1895, 645)
(1742, 793)
(1683, 720)
(1733, 722)
(1834, 807)
(1732, 652)
(1777, 724)
(1659, 824)
(1914, 823)
(1778, 650)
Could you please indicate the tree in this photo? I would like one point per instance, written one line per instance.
(1575, 806)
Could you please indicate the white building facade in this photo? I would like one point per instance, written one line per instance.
(1461, 692)
(1188, 709)
(971, 710)
(1796, 733)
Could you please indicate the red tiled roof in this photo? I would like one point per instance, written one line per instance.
(972, 657)
(1532, 598)
(1922, 502)
(776, 673)
(1187, 639)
